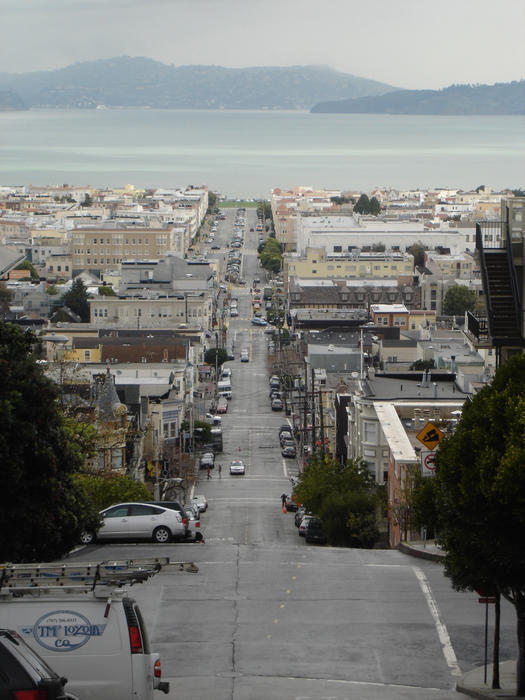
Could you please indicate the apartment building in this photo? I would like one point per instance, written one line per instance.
(100, 248)
(318, 263)
(344, 234)
(182, 310)
(390, 315)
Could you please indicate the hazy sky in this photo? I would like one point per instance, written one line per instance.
(406, 43)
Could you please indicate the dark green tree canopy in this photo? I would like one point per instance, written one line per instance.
(480, 494)
(209, 356)
(36, 489)
(344, 497)
(363, 204)
(77, 300)
(459, 299)
(418, 251)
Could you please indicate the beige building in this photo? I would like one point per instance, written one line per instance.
(318, 264)
(177, 311)
(98, 249)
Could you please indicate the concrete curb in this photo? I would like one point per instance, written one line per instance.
(421, 552)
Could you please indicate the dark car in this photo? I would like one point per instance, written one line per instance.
(291, 506)
(24, 674)
(314, 532)
(277, 405)
(289, 451)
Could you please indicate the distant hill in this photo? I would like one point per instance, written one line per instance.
(10, 101)
(142, 82)
(501, 98)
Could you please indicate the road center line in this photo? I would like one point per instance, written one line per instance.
(444, 638)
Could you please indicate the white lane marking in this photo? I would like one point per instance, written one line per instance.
(285, 470)
(444, 638)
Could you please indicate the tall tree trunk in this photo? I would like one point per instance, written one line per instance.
(495, 651)
(520, 667)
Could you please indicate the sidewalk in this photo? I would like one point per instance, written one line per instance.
(471, 683)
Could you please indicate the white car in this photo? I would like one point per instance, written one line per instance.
(201, 502)
(237, 467)
(135, 521)
(245, 355)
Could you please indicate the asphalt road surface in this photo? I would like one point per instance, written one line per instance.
(268, 617)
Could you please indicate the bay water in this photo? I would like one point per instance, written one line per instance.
(248, 153)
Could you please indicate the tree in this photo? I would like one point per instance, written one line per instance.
(344, 497)
(26, 265)
(212, 201)
(375, 206)
(88, 200)
(77, 300)
(6, 297)
(480, 495)
(103, 490)
(363, 205)
(420, 365)
(459, 299)
(209, 356)
(37, 492)
(106, 291)
(418, 251)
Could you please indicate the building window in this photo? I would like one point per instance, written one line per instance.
(87, 355)
(338, 248)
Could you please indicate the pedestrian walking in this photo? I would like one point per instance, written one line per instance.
(283, 499)
(209, 473)
(220, 471)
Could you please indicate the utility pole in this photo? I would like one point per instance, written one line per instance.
(305, 401)
(321, 423)
(313, 409)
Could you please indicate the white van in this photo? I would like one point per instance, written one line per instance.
(224, 388)
(80, 619)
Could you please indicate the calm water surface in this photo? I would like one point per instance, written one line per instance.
(240, 153)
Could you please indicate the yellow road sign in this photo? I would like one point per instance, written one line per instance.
(430, 436)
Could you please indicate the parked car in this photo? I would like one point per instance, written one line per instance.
(303, 524)
(222, 405)
(285, 427)
(201, 502)
(193, 510)
(314, 532)
(291, 505)
(213, 419)
(24, 674)
(289, 451)
(207, 460)
(175, 505)
(135, 521)
(277, 405)
(237, 467)
(299, 515)
(285, 435)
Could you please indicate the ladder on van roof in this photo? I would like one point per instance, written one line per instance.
(84, 576)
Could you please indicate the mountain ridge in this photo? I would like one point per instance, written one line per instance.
(497, 99)
(126, 81)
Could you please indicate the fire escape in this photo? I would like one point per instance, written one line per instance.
(501, 266)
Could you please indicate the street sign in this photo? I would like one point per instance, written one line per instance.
(489, 600)
(430, 436)
(429, 461)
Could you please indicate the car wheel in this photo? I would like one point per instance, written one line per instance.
(87, 537)
(161, 535)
